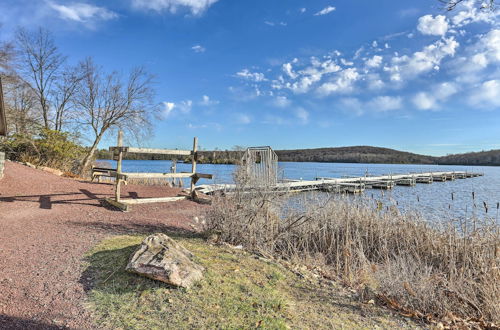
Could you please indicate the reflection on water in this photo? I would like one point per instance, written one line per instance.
(433, 201)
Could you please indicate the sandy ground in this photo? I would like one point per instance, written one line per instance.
(47, 224)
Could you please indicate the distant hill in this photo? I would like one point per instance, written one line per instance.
(491, 157)
(366, 154)
(356, 154)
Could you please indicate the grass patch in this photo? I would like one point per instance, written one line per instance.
(238, 291)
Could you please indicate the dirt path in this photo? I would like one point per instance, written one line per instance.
(47, 223)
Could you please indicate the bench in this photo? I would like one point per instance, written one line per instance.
(98, 172)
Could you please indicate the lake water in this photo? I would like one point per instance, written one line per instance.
(433, 201)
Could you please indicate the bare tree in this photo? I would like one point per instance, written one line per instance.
(451, 4)
(62, 96)
(107, 102)
(6, 57)
(41, 63)
(20, 103)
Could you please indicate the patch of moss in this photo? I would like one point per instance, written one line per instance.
(238, 291)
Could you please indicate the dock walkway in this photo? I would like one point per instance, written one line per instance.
(351, 184)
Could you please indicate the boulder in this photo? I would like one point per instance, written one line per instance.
(159, 257)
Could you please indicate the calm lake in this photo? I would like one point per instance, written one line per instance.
(433, 201)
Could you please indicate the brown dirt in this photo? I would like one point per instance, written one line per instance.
(47, 223)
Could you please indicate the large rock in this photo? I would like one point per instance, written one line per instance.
(159, 257)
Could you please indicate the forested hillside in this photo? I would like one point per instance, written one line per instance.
(491, 157)
(357, 154)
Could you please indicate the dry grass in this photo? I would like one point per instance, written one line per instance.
(441, 271)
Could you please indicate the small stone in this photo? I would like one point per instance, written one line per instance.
(160, 258)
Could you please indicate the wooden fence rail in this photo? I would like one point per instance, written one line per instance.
(119, 151)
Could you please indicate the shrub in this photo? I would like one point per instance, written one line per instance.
(49, 148)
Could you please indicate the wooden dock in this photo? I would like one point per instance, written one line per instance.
(353, 185)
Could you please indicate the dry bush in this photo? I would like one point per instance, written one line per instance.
(430, 269)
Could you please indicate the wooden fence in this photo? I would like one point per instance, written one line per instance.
(119, 151)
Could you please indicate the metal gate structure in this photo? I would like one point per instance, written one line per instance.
(261, 165)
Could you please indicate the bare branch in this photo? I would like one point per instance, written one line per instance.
(452, 4)
(41, 63)
(107, 102)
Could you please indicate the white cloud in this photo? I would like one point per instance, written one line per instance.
(168, 107)
(382, 103)
(385, 103)
(435, 26)
(281, 102)
(352, 105)
(306, 77)
(288, 69)
(423, 101)
(491, 44)
(480, 60)
(374, 82)
(244, 119)
(342, 83)
(197, 7)
(431, 100)
(479, 56)
(304, 84)
(374, 62)
(346, 62)
(302, 10)
(429, 58)
(253, 76)
(325, 11)
(275, 23)
(467, 12)
(444, 90)
(198, 49)
(183, 107)
(487, 94)
(207, 101)
(302, 115)
(82, 12)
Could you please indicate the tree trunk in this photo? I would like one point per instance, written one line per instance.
(90, 154)
(45, 113)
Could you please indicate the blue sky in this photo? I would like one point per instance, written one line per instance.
(295, 74)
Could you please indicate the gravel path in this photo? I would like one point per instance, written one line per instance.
(47, 223)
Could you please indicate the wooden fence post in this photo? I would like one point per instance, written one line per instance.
(119, 166)
(193, 167)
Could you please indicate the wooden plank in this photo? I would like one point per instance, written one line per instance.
(152, 200)
(153, 151)
(119, 167)
(204, 176)
(120, 205)
(193, 165)
(3, 122)
(126, 176)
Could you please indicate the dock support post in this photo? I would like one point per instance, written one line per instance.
(193, 166)
(119, 167)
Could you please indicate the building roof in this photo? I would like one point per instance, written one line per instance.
(3, 122)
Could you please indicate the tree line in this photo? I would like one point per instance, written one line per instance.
(47, 94)
(356, 154)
